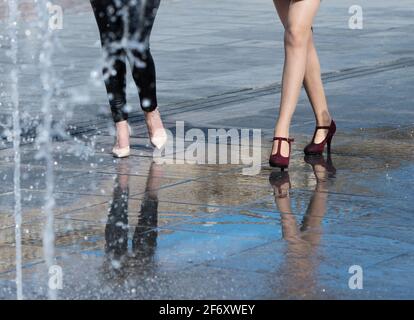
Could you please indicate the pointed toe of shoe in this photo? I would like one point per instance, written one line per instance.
(121, 152)
(312, 149)
(159, 139)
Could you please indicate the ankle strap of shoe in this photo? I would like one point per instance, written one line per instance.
(325, 127)
(283, 139)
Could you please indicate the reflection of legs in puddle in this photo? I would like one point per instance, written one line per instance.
(144, 242)
(280, 182)
(116, 230)
(322, 169)
(296, 271)
(316, 210)
(312, 221)
(302, 242)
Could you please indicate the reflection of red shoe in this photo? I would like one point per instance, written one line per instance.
(317, 148)
(279, 180)
(277, 160)
(319, 160)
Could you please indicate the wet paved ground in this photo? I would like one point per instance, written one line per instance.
(136, 229)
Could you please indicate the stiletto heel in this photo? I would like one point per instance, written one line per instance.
(277, 160)
(317, 148)
(328, 144)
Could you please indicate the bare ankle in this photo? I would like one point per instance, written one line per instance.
(323, 119)
(282, 127)
(122, 134)
(281, 132)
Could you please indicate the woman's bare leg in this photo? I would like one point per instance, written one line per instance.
(298, 33)
(315, 91)
(317, 208)
(312, 81)
(122, 134)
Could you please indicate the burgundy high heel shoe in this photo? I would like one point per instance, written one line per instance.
(317, 148)
(277, 160)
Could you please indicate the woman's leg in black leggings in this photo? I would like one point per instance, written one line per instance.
(115, 82)
(141, 20)
(111, 31)
(125, 27)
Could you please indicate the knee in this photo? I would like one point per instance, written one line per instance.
(141, 57)
(296, 36)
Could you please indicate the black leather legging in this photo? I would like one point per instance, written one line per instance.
(125, 27)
